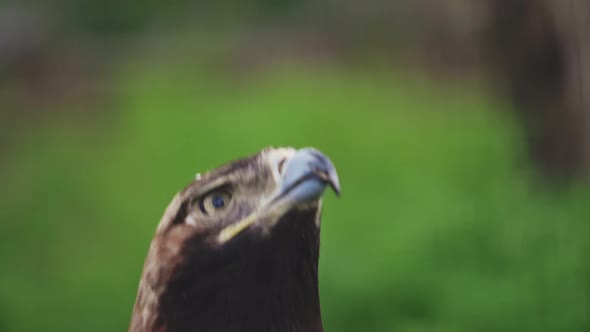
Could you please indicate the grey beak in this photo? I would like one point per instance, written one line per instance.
(306, 175)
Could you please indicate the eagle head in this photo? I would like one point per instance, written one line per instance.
(238, 248)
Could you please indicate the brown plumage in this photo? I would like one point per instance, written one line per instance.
(238, 249)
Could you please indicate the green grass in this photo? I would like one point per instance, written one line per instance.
(439, 228)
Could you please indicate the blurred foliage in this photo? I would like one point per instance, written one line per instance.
(116, 17)
(439, 227)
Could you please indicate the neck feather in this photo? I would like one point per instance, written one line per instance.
(255, 282)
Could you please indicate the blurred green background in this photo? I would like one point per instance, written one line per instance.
(465, 201)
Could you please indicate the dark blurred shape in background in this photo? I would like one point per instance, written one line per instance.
(543, 49)
(461, 129)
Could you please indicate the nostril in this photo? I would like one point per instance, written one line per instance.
(281, 164)
(322, 174)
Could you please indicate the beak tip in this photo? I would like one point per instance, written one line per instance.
(337, 192)
(335, 185)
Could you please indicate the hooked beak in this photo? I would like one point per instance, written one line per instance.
(304, 178)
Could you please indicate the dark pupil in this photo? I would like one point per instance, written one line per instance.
(218, 202)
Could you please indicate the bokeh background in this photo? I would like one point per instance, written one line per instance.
(460, 129)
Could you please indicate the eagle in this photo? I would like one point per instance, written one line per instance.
(238, 249)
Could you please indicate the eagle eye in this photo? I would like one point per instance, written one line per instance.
(214, 202)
